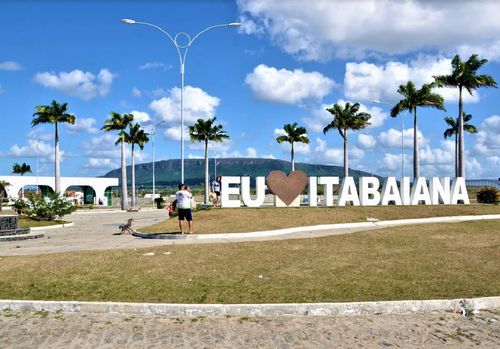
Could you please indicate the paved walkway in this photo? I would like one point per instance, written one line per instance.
(69, 330)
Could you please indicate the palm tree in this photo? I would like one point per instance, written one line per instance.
(294, 134)
(205, 131)
(3, 191)
(453, 131)
(344, 119)
(54, 113)
(413, 98)
(135, 135)
(464, 76)
(119, 122)
(21, 169)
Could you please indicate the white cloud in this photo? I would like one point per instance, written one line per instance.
(392, 138)
(140, 116)
(367, 81)
(318, 30)
(335, 155)
(174, 133)
(366, 141)
(155, 65)
(30, 150)
(83, 85)
(286, 86)
(82, 125)
(10, 66)
(251, 152)
(197, 104)
(488, 137)
(136, 92)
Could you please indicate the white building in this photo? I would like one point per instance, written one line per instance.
(94, 187)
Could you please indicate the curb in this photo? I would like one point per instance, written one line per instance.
(278, 232)
(292, 309)
(116, 210)
(55, 226)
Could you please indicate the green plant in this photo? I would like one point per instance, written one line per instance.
(488, 195)
(39, 208)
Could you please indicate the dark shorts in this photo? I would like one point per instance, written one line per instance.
(217, 193)
(185, 213)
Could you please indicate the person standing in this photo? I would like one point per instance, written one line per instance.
(183, 196)
(216, 185)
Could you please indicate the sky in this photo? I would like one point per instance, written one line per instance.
(287, 62)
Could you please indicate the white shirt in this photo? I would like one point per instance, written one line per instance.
(183, 199)
(216, 186)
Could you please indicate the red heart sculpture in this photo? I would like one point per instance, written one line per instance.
(287, 188)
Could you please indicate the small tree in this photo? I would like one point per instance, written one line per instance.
(21, 169)
(453, 131)
(294, 134)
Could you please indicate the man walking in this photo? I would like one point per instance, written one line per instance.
(183, 196)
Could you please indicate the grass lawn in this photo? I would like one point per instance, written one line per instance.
(31, 223)
(411, 262)
(257, 219)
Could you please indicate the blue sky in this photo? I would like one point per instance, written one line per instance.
(287, 62)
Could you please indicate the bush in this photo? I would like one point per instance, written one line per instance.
(488, 195)
(39, 208)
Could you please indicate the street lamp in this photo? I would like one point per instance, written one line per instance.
(153, 133)
(181, 51)
(402, 137)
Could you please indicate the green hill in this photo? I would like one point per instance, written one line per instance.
(168, 172)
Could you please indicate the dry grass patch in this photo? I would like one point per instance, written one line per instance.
(411, 262)
(259, 219)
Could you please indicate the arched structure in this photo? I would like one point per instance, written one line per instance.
(99, 185)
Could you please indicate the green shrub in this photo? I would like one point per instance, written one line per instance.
(488, 195)
(39, 208)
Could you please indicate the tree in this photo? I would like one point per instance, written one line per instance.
(464, 76)
(119, 123)
(344, 119)
(453, 131)
(54, 113)
(21, 169)
(294, 134)
(135, 135)
(3, 192)
(205, 131)
(413, 98)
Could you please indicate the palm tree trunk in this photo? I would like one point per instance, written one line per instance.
(57, 171)
(456, 155)
(124, 177)
(132, 163)
(346, 158)
(416, 160)
(293, 159)
(206, 173)
(461, 164)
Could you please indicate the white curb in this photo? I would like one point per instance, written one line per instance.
(55, 226)
(292, 309)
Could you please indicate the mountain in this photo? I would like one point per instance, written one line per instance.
(168, 172)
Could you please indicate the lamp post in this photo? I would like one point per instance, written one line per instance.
(182, 52)
(402, 137)
(153, 133)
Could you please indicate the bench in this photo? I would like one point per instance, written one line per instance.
(127, 228)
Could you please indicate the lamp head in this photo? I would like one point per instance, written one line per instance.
(234, 24)
(128, 21)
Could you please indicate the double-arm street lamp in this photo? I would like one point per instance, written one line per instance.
(182, 48)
